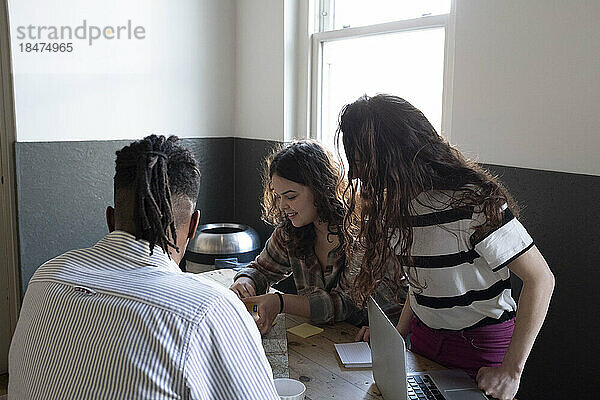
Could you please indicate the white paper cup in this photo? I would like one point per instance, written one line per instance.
(289, 389)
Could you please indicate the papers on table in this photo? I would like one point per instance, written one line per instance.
(354, 355)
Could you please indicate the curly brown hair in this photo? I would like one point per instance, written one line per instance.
(397, 155)
(305, 162)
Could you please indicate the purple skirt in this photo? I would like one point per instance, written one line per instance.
(469, 349)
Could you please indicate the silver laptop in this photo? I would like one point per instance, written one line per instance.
(388, 352)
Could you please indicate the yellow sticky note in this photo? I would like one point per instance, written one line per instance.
(305, 330)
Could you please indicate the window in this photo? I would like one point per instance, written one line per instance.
(381, 46)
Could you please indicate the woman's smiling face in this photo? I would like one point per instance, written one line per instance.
(295, 200)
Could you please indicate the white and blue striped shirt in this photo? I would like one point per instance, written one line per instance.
(113, 322)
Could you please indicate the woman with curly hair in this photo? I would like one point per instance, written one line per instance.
(303, 198)
(451, 230)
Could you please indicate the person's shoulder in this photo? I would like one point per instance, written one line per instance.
(280, 234)
(207, 288)
(194, 294)
(280, 238)
(187, 295)
(431, 201)
(62, 262)
(69, 255)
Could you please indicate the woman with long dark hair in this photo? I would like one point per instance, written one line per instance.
(303, 198)
(450, 229)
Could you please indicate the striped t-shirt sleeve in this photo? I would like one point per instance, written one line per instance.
(225, 359)
(506, 243)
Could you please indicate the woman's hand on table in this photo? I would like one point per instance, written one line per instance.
(243, 287)
(268, 308)
(363, 334)
(498, 383)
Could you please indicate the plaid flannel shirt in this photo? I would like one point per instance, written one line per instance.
(328, 293)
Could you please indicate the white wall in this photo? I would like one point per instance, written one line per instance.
(291, 49)
(178, 80)
(259, 106)
(527, 83)
(271, 69)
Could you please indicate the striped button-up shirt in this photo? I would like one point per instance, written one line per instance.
(114, 322)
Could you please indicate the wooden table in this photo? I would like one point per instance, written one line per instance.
(315, 362)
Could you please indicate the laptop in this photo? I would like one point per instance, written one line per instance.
(388, 353)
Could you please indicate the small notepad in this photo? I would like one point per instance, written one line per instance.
(305, 330)
(354, 355)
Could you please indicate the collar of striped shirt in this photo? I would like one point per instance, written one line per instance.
(124, 244)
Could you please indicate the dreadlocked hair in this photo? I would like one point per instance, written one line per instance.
(397, 155)
(156, 169)
(305, 162)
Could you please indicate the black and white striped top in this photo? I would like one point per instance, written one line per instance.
(466, 285)
(113, 322)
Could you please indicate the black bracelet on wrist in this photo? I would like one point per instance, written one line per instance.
(280, 302)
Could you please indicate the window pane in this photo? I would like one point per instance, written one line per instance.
(406, 64)
(352, 13)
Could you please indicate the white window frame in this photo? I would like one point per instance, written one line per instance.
(446, 21)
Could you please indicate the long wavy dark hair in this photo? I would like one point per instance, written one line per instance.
(305, 162)
(397, 155)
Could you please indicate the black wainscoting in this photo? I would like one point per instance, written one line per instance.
(560, 212)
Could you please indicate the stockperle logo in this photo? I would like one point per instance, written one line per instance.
(85, 31)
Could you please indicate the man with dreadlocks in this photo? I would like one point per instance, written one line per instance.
(120, 320)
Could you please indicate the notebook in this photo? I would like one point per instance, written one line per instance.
(354, 355)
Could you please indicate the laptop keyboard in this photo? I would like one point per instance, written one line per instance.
(421, 387)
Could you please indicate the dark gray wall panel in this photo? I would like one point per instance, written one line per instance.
(215, 200)
(63, 189)
(560, 212)
(249, 155)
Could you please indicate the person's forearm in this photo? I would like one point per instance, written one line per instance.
(296, 304)
(405, 318)
(531, 312)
